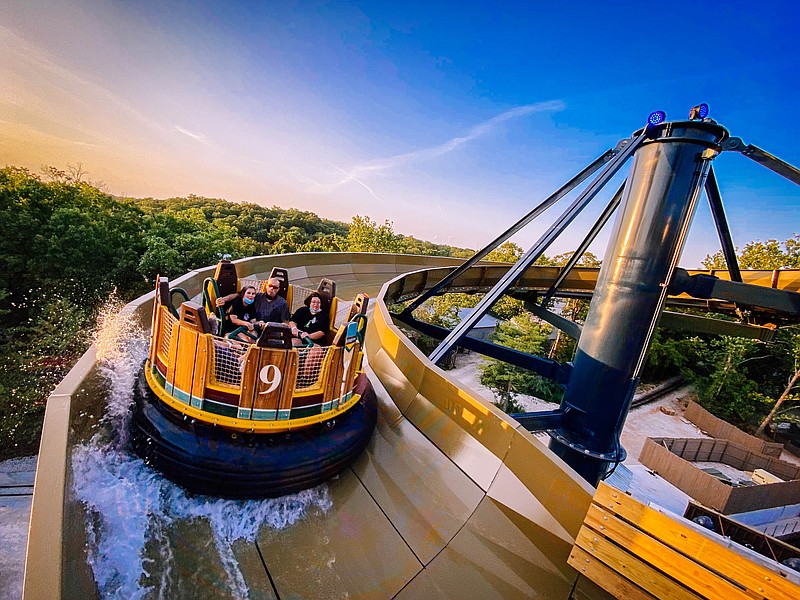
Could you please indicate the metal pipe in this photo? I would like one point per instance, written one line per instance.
(761, 156)
(666, 177)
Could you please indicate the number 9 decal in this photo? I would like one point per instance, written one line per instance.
(270, 375)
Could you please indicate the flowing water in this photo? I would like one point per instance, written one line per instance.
(132, 513)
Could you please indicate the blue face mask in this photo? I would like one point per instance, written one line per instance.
(314, 311)
(247, 301)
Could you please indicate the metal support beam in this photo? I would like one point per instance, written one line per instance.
(546, 367)
(762, 157)
(698, 324)
(724, 232)
(783, 301)
(708, 287)
(571, 328)
(538, 248)
(542, 420)
(543, 206)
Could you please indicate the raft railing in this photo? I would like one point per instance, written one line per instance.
(240, 385)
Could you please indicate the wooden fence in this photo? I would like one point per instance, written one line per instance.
(716, 427)
(672, 459)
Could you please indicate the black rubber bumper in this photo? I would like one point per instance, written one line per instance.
(218, 462)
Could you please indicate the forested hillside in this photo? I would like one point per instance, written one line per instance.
(66, 246)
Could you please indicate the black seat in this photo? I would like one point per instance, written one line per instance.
(226, 277)
(327, 289)
(275, 335)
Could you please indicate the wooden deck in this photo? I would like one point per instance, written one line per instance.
(634, 551)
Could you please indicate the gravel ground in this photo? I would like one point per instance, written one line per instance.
(15, 511)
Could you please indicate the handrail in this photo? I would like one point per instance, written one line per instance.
(210, 303)
(180, 291)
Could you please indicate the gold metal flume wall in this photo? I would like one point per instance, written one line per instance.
(452, 499)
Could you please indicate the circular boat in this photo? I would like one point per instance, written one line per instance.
(229, 418)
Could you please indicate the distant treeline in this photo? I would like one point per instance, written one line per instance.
(69, 236)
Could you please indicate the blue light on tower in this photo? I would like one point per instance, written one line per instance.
(698, 112)
(656, 117)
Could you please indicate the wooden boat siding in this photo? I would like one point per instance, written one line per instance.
(332, 372)
(255, 392)
(624, 543)
(335, 374)
(184, 356)
(182, 366)
(222, 396)
(353, 366)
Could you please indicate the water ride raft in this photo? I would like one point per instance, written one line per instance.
(230, 418)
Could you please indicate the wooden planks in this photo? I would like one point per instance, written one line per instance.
(666, 557)
(605, 576)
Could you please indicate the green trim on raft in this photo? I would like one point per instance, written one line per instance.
(252, 414)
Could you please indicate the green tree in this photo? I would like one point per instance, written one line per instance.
(527, 334)
(324, 242)
(65, 236)
(443, 310)
(179, 242)
(672, 353)
(365, 235)
(506, 252)
(745, 380)
(723, 381)
(762, 255)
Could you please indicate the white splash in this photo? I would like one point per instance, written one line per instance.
(129, 506)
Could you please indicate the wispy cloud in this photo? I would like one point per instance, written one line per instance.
(35, 78)
(198, 137)
(351, 177)
(358, 172)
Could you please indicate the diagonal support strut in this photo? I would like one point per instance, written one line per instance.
(538, 248)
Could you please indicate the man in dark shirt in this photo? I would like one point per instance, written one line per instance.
(269, 306)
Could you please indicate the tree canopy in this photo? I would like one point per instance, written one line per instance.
(771, 254)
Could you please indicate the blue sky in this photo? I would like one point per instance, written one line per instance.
(449, 119)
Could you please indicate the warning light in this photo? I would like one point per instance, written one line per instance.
(698, 112)
(657, 117)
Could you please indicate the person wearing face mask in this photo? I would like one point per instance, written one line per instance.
(310, 321)
(242, 313)
(269, 305)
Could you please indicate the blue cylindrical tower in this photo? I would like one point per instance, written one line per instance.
(668, 172)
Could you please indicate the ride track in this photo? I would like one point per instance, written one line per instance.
(452, 498)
